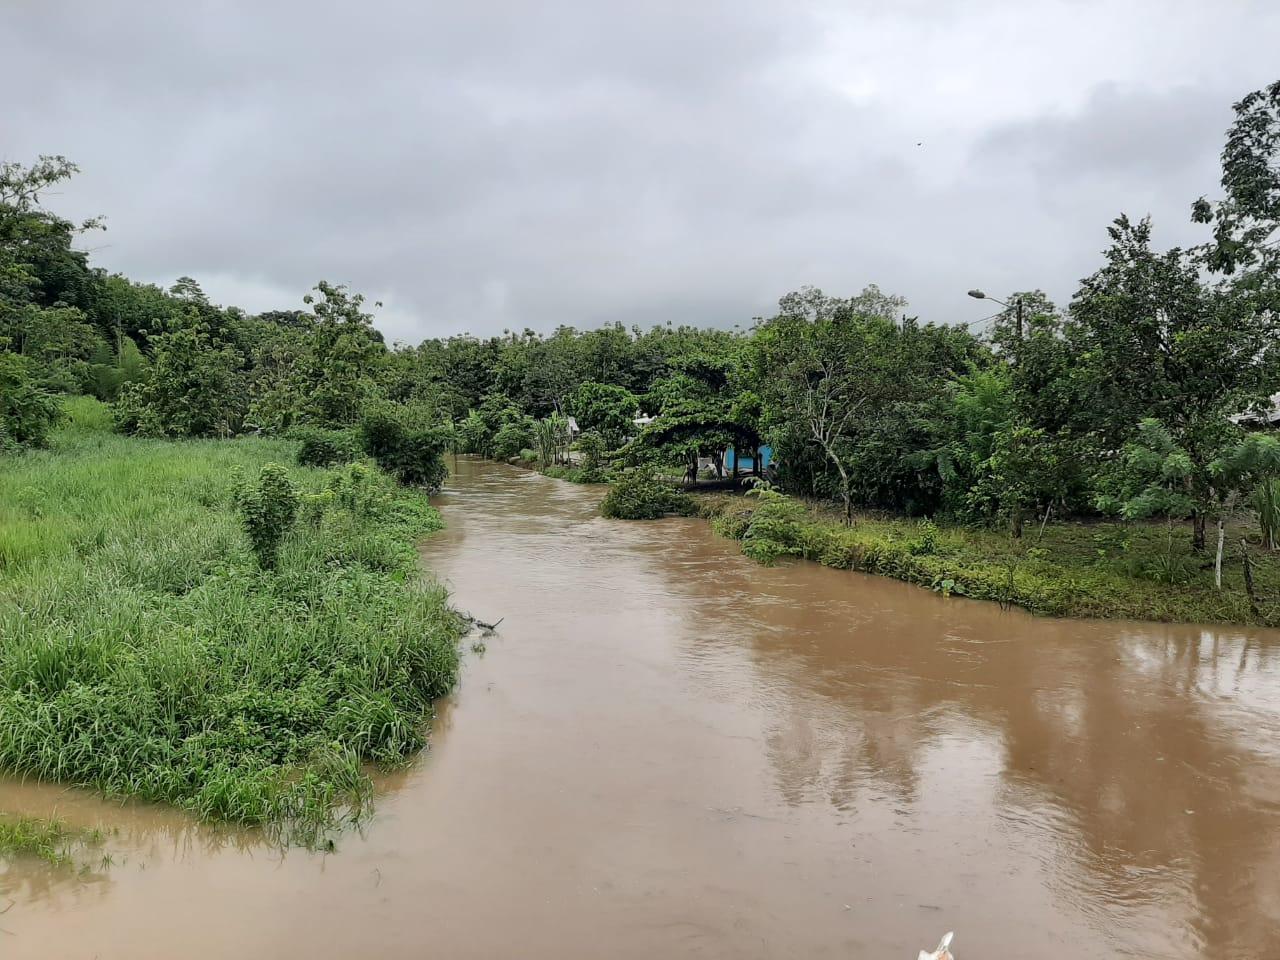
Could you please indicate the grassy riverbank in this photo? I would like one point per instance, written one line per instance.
(1106, 570)
(145, 653)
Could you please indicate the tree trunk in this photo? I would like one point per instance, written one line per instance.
(846, 486)
(1248, 577)
(1045, 522)
(846, 494)
(1217, 563)
(1197, 532)
(1268, 489)
(1015, 523)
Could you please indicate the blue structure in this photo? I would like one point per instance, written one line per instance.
(747, 463)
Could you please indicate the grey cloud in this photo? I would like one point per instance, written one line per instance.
(1119, 134)
(1123, 151)
(487, 165)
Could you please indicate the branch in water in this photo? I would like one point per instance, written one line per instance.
(480, 623)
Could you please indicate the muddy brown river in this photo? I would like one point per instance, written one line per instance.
(668, 751)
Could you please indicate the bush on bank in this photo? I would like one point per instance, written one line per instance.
(643, 495)
(28, 414)
(404, 443)
(147, 654)
(321, 447)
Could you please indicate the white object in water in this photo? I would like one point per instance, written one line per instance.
(942, 953)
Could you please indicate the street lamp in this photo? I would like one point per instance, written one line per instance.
(1017, 307)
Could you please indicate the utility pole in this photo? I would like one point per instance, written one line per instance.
(1017, 315)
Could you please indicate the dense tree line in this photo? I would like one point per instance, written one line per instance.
(1129, 400)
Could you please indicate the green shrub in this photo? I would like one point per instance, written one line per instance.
(28, 413)
(325, 448)
(926, 540)
(1266, 500)
(267, 510)
(841, 556)
(643, 495)
(1169, 568)
(512, 438)
(195, 388)
(561, 472)
(775, 527)
(404, 444)
(731, 525)
(593, 448)
(472, 435)
(86, 415)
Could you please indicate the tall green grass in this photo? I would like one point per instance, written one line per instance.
(144, 653)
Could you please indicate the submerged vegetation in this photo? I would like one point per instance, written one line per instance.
(52, 841)
(147, 652)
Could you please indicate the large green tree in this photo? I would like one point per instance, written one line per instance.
(338, 371)
(845, 389)
(1246, 220)
(194, 387)
(1149, 339)
(28, 413)
(821, 369)
(605, 408)
(700, 408)
(44, 280)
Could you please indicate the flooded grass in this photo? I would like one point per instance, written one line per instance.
(145, 654)
(50, 840)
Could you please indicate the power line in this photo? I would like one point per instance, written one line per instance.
(982, 320)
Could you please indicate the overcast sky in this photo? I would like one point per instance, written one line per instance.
(484, 165)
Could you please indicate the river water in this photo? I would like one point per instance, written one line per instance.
(668, 751)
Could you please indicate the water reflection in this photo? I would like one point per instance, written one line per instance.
(62, 886)
(1144, 756)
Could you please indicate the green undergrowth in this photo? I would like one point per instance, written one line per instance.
(576, 474)
(561, 472)
(1107, 570)
(643, 495)
(318, 447)
(50, 840)
(573, 473)
(145, 653)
